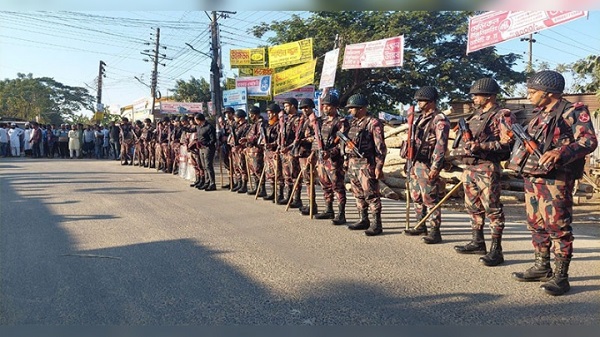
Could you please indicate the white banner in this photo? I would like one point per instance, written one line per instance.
(300, 93)
(375, 54)
(329, 69)
(255, 85)
(180, 107)
(494, 27)
(235, 97)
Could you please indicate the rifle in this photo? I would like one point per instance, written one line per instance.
(410, 154)
(349, 143)
(318, 137)
(521, 136)
(466, 133)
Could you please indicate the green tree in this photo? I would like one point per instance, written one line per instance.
(43, 98)
(588, 73)
(194, 90)
(434, 53)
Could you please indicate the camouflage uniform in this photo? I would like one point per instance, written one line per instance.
(304, 139)
(146, 138)
(255, 153)
(272, 161)
(290, 164)
(238, 157)
(174, 141)
(549, 196)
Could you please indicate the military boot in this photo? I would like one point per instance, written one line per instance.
(340, 218)
(495, 256)
(559, 283)
(196, 182)
(476, 246)
(305, 210)
(328, 214)
(433, 237)
(237, 184)
(375, 228)
(262, 190)
(205, 185)
(297, 201)
(283, 198)
(270, 196)
(416, 231)
(244, 186)
(254, 188)
(363, 223)
(541, 270)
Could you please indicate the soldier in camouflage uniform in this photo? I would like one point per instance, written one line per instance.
(174, 142)
(269, 142)
(481, 177)
(365, 170)
(290, 163)
(304, 139)
(238, 157)
(224, 132)
(565, 135)
(330, 167)
(254, 152)
(163, 140)
(430, 136)
(146, 136)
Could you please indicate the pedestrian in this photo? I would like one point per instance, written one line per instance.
(126, 141)
(74, 143)
(27, 139)
(14, 135)
(330, 162)
(303, 149)
(565, 135)
(365, 163)
(63, 141)
(430, 137)
(35, 140)
(482, 154)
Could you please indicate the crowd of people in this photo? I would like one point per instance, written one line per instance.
(292, 146)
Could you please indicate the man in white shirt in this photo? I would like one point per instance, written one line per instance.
(14, 137)
(3, 140)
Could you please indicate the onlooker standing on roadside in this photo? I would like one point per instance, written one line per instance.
(88, 141)
(35, 140)
(115, 143)
(74, 143)
(3, 140)
(14, 137)
(105, 142)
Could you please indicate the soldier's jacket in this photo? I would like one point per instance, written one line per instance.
(271, 135)
(147, 133)
(175, 135)
(254, 132)
(163, 134)
(431, 139)
(137, 131)
(238, 131)
(367, 135)
(486, 128)
(303, 137)
(125, 132)
(572, 134)
(288, 135)
(329, 128)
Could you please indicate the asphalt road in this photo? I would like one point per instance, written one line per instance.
(87, 242)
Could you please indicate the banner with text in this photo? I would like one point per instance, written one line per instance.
(291, 53)
(180, 107)
(307, 91)
(235, 97)
(255, 85)
(375, 54)
(494, 27)
(295, 77)
(254, 57)
(329, 68)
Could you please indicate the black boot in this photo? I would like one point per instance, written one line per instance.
(254, 188)
(495, 256)
(476, 246)
(237, 184)
(340, 218)
(418, 231)
(200, 183)
(283, 198)
(375, 228)
(270, 196)
(297, 201)
(328, 214)
(541, 270)
(305, 210)
(243, 186)
(559, 283)
(195, 183)
(262, 191)
(363, 223)
(433, 237)
(205, 185)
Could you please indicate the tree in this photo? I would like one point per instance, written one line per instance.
(42, 99)
(192, 91)
(588, 71)
(434, 53)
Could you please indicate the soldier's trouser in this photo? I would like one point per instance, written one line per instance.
(331, 177)
(166, 155)
(175, 155)
(425, 194)
(207, 155)
(549, 206)
(272, 163)
(256, 161)
(482, 188)
(239, 164)
(290, 168)
(304, 163)
(365, 187)
(197, 163)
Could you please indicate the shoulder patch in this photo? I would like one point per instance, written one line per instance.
(440, 126)
(578, 105)
(584, 117)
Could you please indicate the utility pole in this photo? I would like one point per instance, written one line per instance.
(101, 70)
(531, 40)
(215, 66)
(154, 57)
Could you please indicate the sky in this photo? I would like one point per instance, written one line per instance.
(68, 46)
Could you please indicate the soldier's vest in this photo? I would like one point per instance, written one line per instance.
(289, 132)
(424, 138)
(543, 132)
(363, 139)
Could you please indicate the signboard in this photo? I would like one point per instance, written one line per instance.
(142, 105)
(329, 68)
(262, 71)
(235, 97)
(375, 54)
(300, 93)
(254, 57)
(494, 27)
(295, 77)
(180, 107)
(291, 53)
(255, 85)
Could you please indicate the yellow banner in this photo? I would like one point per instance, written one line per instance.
(230, 84)
(291, 53)
(254, 57)
(295, 77)
(98, 116)
(246, 72)
(262, 71)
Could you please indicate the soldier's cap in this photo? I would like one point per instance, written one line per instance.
(274, 108)
(184, 118)
(255, 110)
(166, 119)
(200, 117)
(292, 101)
(229, 110)
(240, 113)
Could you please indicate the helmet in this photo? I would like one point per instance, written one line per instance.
(357, 101)
(427, 93)
(292, 101)
(255, 110)
(306, 102)
(201, 117)
(274, 107)
(330, 99)
(147, 120)
(486, 85)
(548, 81)
(229, 109)
(240, 113)
(184, 118)
(166, 119)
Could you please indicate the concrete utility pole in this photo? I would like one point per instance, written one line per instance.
(215, 66)
(154, 57)
(531, 40)
(99, 107)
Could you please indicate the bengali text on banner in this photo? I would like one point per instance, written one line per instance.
(295, 77)
(291, 53)
(374, 54)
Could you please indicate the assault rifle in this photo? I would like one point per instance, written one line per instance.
(521, 136)
(319, 137)
(410, 156)
(464, 133)
(349, 143)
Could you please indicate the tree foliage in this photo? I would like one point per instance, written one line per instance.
(42, 98)
(434, 53)
(588, 70)
(194, 90)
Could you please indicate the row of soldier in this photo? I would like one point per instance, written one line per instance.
(293, 145)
